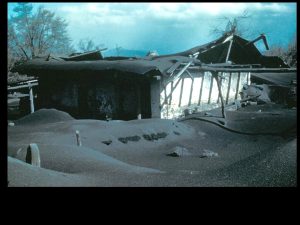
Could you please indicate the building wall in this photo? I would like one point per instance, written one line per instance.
(95, 97)
(155, 90)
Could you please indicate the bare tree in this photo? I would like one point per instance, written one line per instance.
(31, 34)
(87, 44)
(291, 54)
(231, 25)
(275, 50)
(118, 49)
(288, 54)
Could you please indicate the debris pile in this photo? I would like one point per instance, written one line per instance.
(208, 153)
(259, 93)
(179, 152)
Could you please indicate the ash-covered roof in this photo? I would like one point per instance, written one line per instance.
(229, 48)
(139, 66)
(241, 51)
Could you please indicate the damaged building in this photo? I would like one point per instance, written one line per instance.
(91, 86)
(120, 89)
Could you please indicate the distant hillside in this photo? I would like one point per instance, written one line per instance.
(125, 52)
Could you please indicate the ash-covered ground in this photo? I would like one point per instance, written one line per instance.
(196, 151)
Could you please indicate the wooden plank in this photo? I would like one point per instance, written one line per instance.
(173, 67)
(210, 89)
(258, 70)
(229, 65)
(27, 82)
(201, 88)
(191, 91)
(181, 89)
(228, 89)
(237, 86)
(23, 86)
(17, 95)
(229, 50)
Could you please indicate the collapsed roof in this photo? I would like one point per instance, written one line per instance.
(236, 50)
(229, 49)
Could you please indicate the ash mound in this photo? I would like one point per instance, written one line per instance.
(43, 116)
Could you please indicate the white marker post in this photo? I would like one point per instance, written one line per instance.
(78, 138)
(31, 100)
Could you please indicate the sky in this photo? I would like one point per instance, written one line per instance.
(170, 27)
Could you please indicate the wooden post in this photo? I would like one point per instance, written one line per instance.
(166, 100)
(171, 92)
(201, 87)
(228, 89)
(219, 91)
(248, 78)
(237, 86)
(191, 91)
(31, 100)
(215, 75)
(33, 155)
(181, 89)
(78, 138)
(211, 85)
(165, 93)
